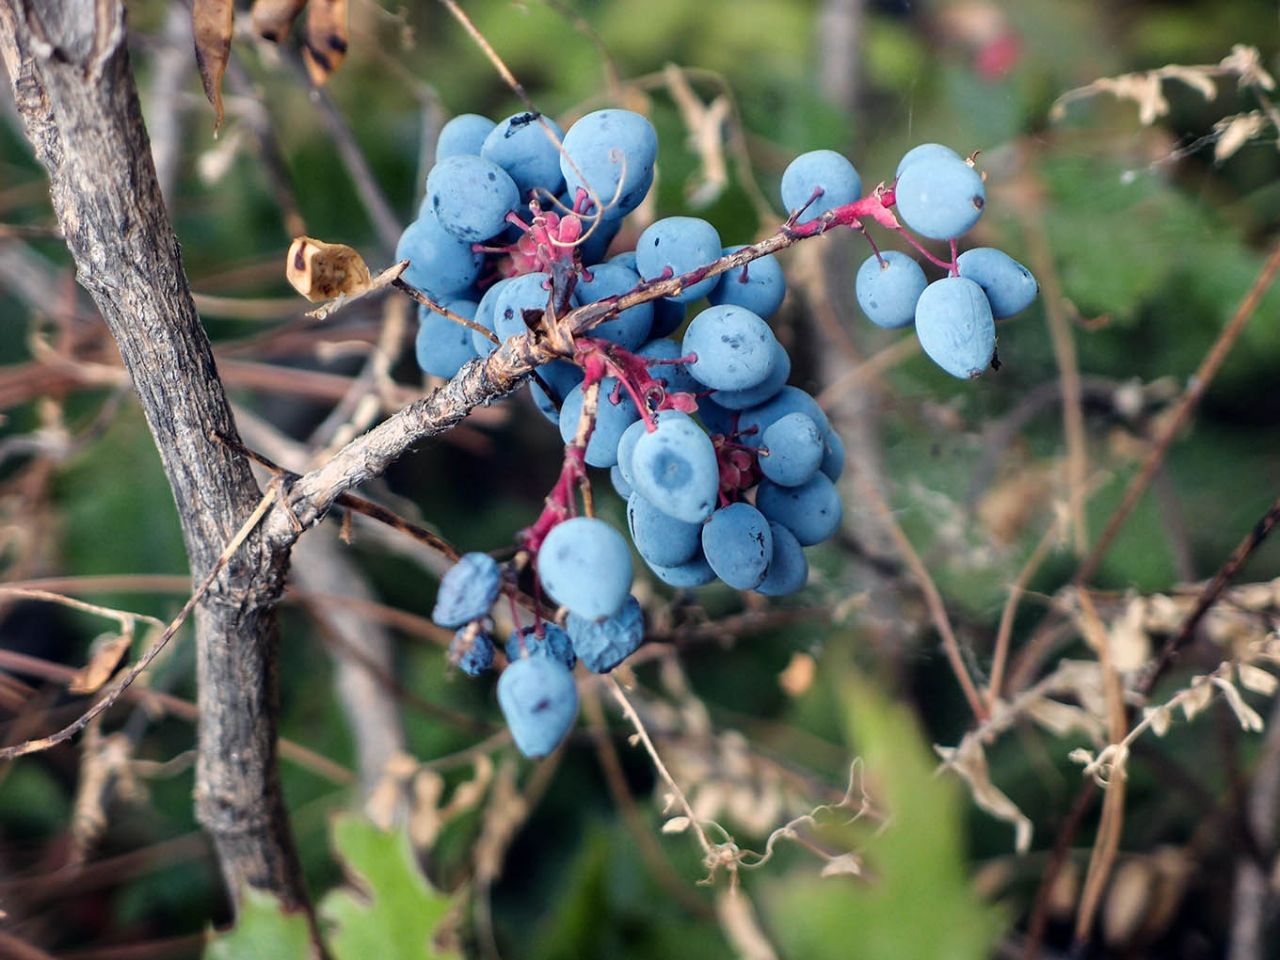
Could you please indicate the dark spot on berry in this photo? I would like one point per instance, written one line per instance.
(492, 176)
(337, 43)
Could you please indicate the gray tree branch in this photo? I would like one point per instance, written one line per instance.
(69, 67)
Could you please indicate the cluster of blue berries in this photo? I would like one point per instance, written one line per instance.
(939, 195)
(728, 472)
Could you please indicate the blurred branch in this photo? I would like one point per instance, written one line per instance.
(1196, 387)
(1031, 210)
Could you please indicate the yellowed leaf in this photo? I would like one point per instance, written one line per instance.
(322, 271)
(1161, 718)
(1197, 697)
(1234, 132)
(324, 45)
(844, 865)
(212, 22)
(1256, 679)
(1128, 901)
(105, 655)
(970, 762)
(273, 18)
(1248, 717)
(799, 675)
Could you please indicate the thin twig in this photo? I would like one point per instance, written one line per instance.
(1107, 842)
(1209, 596)
(642, 734)
(615, 779)
(1064, 352)
(183, 709)
(1196, 387)
(112, 693)
(421, 298)
(933, 599)
(1004, 633)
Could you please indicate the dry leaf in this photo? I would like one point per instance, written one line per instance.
(1234, 132)
(1130, 646)
(1160, 719)
(799, 674)
(212, 22)
(844, 865)
(1256, 679)
(1199, 79)
(969, 761)
(323, 271)
(1197, 697)
(1128, 902)
(273, 18)
(1247, 62)
(741, 927)
(1248, 717)
(324, 45)
(676, 825)
(105, 654)
(1062, 719)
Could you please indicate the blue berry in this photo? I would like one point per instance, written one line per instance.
(539, 701)
(695, 573)
(832, 455)
(521, 146)
(819, 170)
(955, 327)
(603, 644)
(675, 376)
(472, 651)
(788, 566)
(754, 421)
(940, 197)
(674, 467)
(759, 285)
(554, 643)
(811, 511)
(442, 346)
(467, 590)
(660, 538)
(762, 392)
(585, 565)
(738, 545)
(463, 136)
(471, 197)
(888, 287)
(440, 264)
(612, 152)
(792, 450)
(631, 327)
(615, 412)
(925, 151)
(1009, 286)
(735, 348)
(677, 245)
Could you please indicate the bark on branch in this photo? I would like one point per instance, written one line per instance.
(69, 66)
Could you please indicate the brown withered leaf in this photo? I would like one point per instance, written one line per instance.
(324, 44)
(322, 271)
(105, 655)
(272, 19)
(212, 21)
